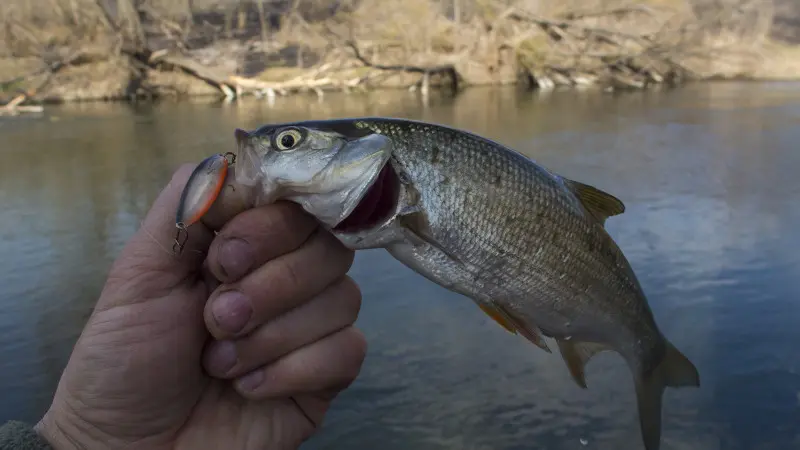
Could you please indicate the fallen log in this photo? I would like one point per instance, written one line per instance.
(426, 72)
(232, 86)
(190, 67)
(15, 107)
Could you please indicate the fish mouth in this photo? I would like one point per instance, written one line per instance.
(377, 204)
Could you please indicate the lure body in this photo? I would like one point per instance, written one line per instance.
(202, 189)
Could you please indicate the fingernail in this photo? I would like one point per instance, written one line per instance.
(221, 357)
(231, 311)
(236, 257)
(252, 380)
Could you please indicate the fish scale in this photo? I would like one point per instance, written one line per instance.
(477, 238)
(527, 245)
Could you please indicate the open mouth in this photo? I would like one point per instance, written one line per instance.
(377, 204)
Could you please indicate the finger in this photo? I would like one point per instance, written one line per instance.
(209, 279)
(153, 241)
(335, 308)
(277, 286)
(330, 363)
(256, 236)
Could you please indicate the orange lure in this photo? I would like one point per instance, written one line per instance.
(201, 191)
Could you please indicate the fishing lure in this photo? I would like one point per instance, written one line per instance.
(201, 191)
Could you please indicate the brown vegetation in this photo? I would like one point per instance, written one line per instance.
(112, 49)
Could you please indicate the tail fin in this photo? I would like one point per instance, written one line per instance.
(675, 370)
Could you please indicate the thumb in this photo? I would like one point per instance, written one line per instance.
(134, 373)
(147, 261)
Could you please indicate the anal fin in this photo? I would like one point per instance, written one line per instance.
(576, 355)
(514, 326)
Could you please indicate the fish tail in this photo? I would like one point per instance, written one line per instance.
(674, 370)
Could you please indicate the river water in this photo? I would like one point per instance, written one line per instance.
(708, 173)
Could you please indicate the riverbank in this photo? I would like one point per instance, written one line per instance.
(73, 51)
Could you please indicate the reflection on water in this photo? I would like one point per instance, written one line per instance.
(707, 174)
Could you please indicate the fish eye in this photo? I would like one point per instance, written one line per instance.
(287, 139)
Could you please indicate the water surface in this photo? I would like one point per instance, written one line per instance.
(709, 177)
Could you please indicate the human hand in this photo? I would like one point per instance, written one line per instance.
(273, 294)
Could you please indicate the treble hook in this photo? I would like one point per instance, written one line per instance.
(181, 236)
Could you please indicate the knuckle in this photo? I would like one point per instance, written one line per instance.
(272, 230)
(261, 350)
(274, 219)
(288, 273)
(357, 344)
(212, 263)
(292, 214)
(285, 222)
(272, 342)
(336, 251)
(350, 293)
(356, 354)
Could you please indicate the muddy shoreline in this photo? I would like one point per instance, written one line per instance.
(421, 46)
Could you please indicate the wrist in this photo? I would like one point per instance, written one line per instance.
(62, 433)
(50, 431)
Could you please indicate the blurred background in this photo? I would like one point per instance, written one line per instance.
(689, 111)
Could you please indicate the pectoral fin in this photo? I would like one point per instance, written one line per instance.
(576, 355)
(601, 205)
(417, 223)
(498, 317)
(514, 326)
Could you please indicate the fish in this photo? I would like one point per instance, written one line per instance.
(527, 245)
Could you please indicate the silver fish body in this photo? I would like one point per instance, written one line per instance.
(527, 245)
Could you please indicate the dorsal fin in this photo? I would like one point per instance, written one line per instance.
(601, 204)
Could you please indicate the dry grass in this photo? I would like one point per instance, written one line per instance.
(488, 41)
(30, 27)
(778, 61)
